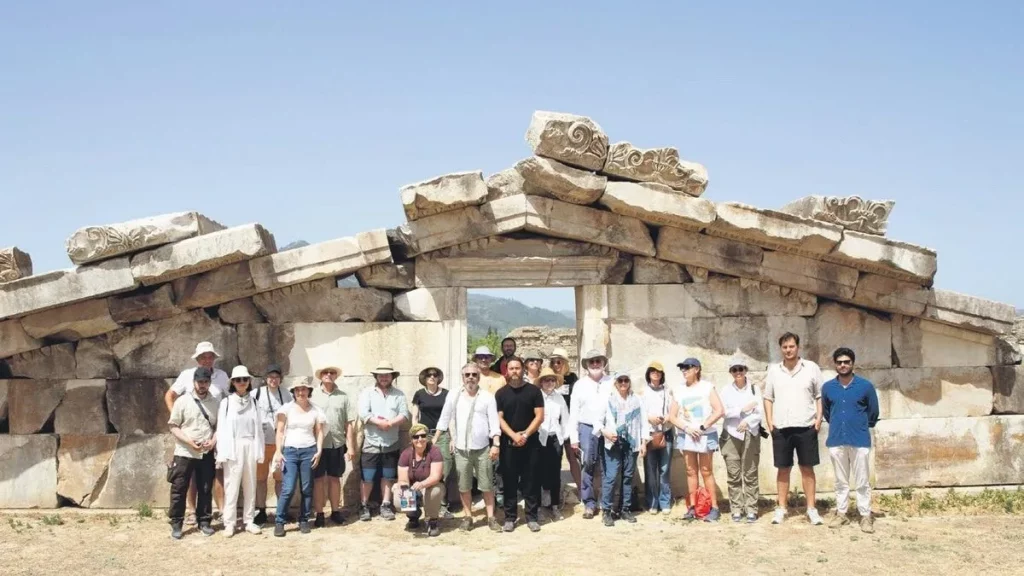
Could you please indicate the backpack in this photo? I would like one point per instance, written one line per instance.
(703, 502)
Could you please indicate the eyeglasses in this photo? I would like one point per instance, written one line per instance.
(737, 370)
(844, 362)
(557, 361)
(470, 374)
(420, 437)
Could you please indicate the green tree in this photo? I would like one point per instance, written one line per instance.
(492, 340)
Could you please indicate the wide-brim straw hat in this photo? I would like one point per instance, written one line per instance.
(423, 375)
(319, 372)
(299, 382)
(385, 367)
(654, 366)
(560, 353)
(594, 353)
(546, 372)
(203, 348)
(240, 372)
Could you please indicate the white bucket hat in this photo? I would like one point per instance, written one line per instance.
(203, 348)
(240, 372)
(482, 351)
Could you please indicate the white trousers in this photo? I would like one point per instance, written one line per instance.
(240, 473)
(851, 466)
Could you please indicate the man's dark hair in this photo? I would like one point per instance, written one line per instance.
(514, 359)
(844, 352)
(787, 337)
(508, 339)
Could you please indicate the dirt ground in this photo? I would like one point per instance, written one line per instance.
(82, 542)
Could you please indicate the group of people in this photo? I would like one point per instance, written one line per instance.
(504, 432)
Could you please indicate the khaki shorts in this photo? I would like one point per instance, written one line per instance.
(474, 464)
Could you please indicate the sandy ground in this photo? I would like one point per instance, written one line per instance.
(90, 543)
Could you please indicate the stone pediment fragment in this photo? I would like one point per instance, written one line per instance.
(850, 212)
(659, 205)
(94, 243)
(656, 165)
(871, 253)
(202, 253)
(331, 258)
(14, 264)
(775, 230)
(44, 291)
(564, 220)
(575, 140)
(548, 177)
(443, 194)
(970, 312)
(388, 276)
(501, 216)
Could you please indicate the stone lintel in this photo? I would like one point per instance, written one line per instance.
(775, 230)
(326, 259)
(62, 287)
(202, 253)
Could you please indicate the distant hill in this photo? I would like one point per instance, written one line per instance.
(505, 314)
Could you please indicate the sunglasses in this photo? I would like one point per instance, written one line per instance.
(239, 379)
(433, 375)
(420, 437)
(685, 367)
(623, 381)
(737, 370)
(331, 372)
(844, 362)
(471, 375)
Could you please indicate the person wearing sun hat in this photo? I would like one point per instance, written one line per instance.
(382, 409)
(532, 363)
(420, 469)
(489, 379)
(586, 414)
(339, 443)
(192, 422)
(427, 405)
(559, 363)
(741, 441)
(240, 448)
(269, 399)
(625, 432)
(695, 409)
(300, 440)
(658, 461)
(552, 434)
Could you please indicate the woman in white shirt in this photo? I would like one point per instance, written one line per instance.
(694, 410)
(658, 461)
(626, 432)
(553, 432)
(300, 440)
(741, 443)
(239, 449)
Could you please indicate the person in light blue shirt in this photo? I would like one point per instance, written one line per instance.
(850, 406)
(382, 409)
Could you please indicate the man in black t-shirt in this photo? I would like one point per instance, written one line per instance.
(520, 413)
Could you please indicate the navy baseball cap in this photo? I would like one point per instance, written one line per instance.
(689, 362)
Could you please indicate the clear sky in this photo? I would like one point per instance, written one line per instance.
(308, 117)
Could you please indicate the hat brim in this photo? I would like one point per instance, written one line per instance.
(198, 354)
(320, 371)
(394, 373)
(423, 375)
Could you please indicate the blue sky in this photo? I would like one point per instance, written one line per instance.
(308, 117)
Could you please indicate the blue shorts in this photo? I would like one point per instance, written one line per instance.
(385, 462)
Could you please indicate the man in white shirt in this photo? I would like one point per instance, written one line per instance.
(588, 403)
(471, 417)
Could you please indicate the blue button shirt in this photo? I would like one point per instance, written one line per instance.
(850, 411)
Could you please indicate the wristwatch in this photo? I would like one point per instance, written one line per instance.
(702, 428)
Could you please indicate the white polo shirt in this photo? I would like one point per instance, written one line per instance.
(220, 385)
(793, 394)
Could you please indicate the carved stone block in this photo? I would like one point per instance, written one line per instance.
(14, 339)
(82, 410)
(388, 276)
(45, 291)
(708, 252)
(136, 406)
(850, 212)
(970, 312)
(658, 205)
(202, 253)
(563, 220)
(931, 392)
(326, 259)
(144, 305)
(657, 165)
(1008, 389)
(322, 301)
(241, 311)
(900, 260)
(575, 140)
(164, 348)
(810, 275)
(892, 295)
(431, 305)
(14, 264)
(31, 403)
(94, 243)
(501, 216)
(775, 230)
(72, 322)
(653, 271)
(30, 471)
(55, 362)
(560, 181)
(95, 359)
(918, 343)
(443, 194)
(82, 466)
(220, 285)
(137, 472)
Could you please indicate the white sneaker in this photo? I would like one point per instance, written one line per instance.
(813, 517)
(253, 529)
(229, 531)
(779, 516)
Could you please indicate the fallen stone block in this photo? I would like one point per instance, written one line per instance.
(869, 335)
(55, 362)
(38, 293)
(659, 205)
(443, 194)
(31, 404)
(241, 311)
(30, 471)
(95, 359)
(932, 392)
(14, 264)
(72, 322)
(82, 409)
(575, 140)
(1008, 389)
(653, 271)
(322, 301)
(501, 216)
(850, 212)
(431, 305)
(82, 463)
(656, 165)
(164, 348)
(564, 220)
(217, 286)
(136, 405)
(871, 253)
(137, 473)
(94, 243)
(202, 253)
(144, 305)
(560, 181)
(14, 339)
(388, 276)
(332, 258)
(775, 230)
(923, 343)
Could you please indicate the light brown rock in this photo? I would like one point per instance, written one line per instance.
(137, 473)
(217, 286)
(241, 311)
(136, 405)
(891, 295)
(969, 312)
(55, 362)
(561, 181)
(508, 182)
(82, 409)
(659, 205)
(869, 335)
(850, 212)
(260, 345)
(82, 466)
(574, 140)
(719, 297)
(657, 165)
(388, 276)
(38, 293)
(14, 264)
(709, 252)
(31, 404)
(3, 400)
(698, 274)
(810, 275)
(14, 339)
(1008, 389)
(564, 220)
(72, 322)
(144, 305)
(332, 258)
(94, 243)
(501, 216)
(653, 271)
(431, 304)
(95, 359)
(443, 194)
(871, 253)
(202, 253)
(775, 230)
(923, 343)
(322, 301)
(164, 348)
(30, 471)
(932, 392)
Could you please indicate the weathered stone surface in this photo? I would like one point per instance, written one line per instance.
(388, 276)
(136, 405)
(164, 348)
(14, 339)
(880, 255)
(653, 271)
(217, 286)
(717, 298)
(82, 409)
(95, 359)
(504, 262)
(949, 451)
(241, 311)
(55, 362)
(922, 343)
(72, 322)
(575, 140)
(260, 345)
(322, 301)
(869, 335)
(501, 216)
(3, 400)
(564, 220)
(202, 253)
(970, 312)
(327, 259)
(709, 252)
(508, 182)
(810, 275)
(431, 305)
(657, 165)
(1008, 389)
(14, 264)
(892, 295)
(29, 477)
(144, 305)
(82, 466)
(699, 275)
(38, 293)
(775, 230)
(443, 194)
(560, 181)
(94, 243)
(137, 473)
(850, 212)
(660, 205)
(31, 404)
(932, 392)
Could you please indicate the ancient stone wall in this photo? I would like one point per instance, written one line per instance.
(544, 339)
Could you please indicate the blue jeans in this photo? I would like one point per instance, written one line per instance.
(618, 459)
(591, 448)
(657, 487)
(298, 467)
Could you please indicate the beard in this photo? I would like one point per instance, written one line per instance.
(514, 381)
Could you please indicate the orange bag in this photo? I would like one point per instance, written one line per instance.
(703, 505)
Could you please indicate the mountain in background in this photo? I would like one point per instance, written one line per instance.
(505, 315)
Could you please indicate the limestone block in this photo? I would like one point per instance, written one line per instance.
(653, 271)
(591, 318)
(202, 253)
(322, 301)
(82, 466)
(564, 220)
(14, 339)
(922, 343)
(94, 243)
(949, 451)
(709, 252)
(872, 253)
(31, 404)
(38, 293)
(1008, 389)
(136, 405)
(970, 312)
(932, 392)
(3, 400)
(332, 258)
(1007, 351)
(241, 311)
(869, 335)
(508, 182)
(716, 298)
(137, 473)
(162, 349)
(699, 275)
(656, 165)
(217, 286)
(560, 181)
(506, 262)
(260, 345)
(82, 409)
(55, 362)
(892, 295)
(14, 264)
(388, 276)
(775, 230)
(810, 275)
(72, 322)
(850, 212)
(95, 359)
(443, 194)
(29, 478)
(660, 205)
(431, 305)
(501, 216)
(575, 140)
(144, 305)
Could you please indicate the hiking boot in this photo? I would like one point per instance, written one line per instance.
(691, 514)
(839, 519)
(779, 516)
(412, 524)
(867, 524)
(737, 517)
(206, 529)
(433, 529)
(813, 517)
(628, 516)
(337, 517)
(588, 513)
(493, 524)
(751, 518)
(278, 530)
(229, 531)
(176, 530)
(386, 511)
(556, 514)
(261, 517)
(533, 525)
(364, 513)
(466, 524)
(509, 526)
(319, 522)
(609, 520)
(253, 528)
(713, 515)
(304, 527)
(446, 513)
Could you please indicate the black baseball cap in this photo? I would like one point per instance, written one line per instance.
(274, 368)
(202, 373)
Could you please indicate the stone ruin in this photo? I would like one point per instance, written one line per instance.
(660, 273)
